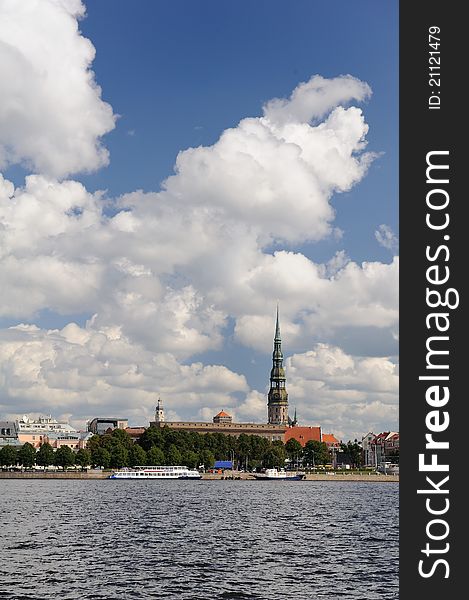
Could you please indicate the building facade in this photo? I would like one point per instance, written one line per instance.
(381, 448)
(40, 431)
(267, 430)
(43, 424)
(8, 434)
(100, 425)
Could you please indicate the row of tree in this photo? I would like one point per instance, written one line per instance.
(27, 456)
(176, 447)
(167, 446)
(173, 447)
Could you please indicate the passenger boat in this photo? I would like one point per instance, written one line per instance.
(275, 475)
(163, 472)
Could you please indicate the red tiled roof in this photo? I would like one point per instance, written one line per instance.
(303, 434)
(329, 438)
(222, 413)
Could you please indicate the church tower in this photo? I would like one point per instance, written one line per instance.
(159, 412)
(278, 398)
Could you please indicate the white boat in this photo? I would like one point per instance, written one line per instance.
(275, 474)
(162, 472)
(388, 468)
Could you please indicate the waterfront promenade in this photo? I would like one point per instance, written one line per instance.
(93, 475)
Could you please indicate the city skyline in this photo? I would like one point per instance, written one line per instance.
(149, 226)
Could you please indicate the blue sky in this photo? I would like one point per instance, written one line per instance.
(177, 75)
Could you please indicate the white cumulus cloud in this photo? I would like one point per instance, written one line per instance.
(346, 394)
(51, 112)
(162, 274)
(87, 371)
(387, 238)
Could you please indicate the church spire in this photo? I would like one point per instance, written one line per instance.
(277, 327)
(278, 397)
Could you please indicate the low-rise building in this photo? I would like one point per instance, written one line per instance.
(43, 424)
(135, 432)
(40, 431)
(385, 448)
(221, 423)
(272, 432)
(331, 441)
(391, 447)
(303, 434)
(8, 434)
(100, 425)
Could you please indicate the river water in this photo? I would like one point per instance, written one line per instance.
(198, 540)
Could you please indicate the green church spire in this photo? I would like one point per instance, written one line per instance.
(278, 397)
(277, 327)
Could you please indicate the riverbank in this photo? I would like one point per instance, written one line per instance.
(98, 474)
(368, 478)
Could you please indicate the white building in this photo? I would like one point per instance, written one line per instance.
(43, 425)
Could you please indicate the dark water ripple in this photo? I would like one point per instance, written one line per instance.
(198, 540)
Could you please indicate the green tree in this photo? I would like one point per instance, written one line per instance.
(45, 455)
(8, 456)
(294, 450)
(122, 437)
(173, 456)
(64, 457)
(152, 436)
(100, 457)
(190, 459)
(155, 456)
(83, 458)
(316, 453)
(27, 455)
(206, 459)
(353, 452)
(243, 449)
(259, 446)
(94, 443)
(119, 457)
(275, 457)
(137, 456)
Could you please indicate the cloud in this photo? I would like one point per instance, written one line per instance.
(387, 238)
(318, 300)
(346, 394)
(275, 180)
(42, 262)
(51, 112)
(170, 278)
(87, 371)
(315, 98)
(162, 274)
